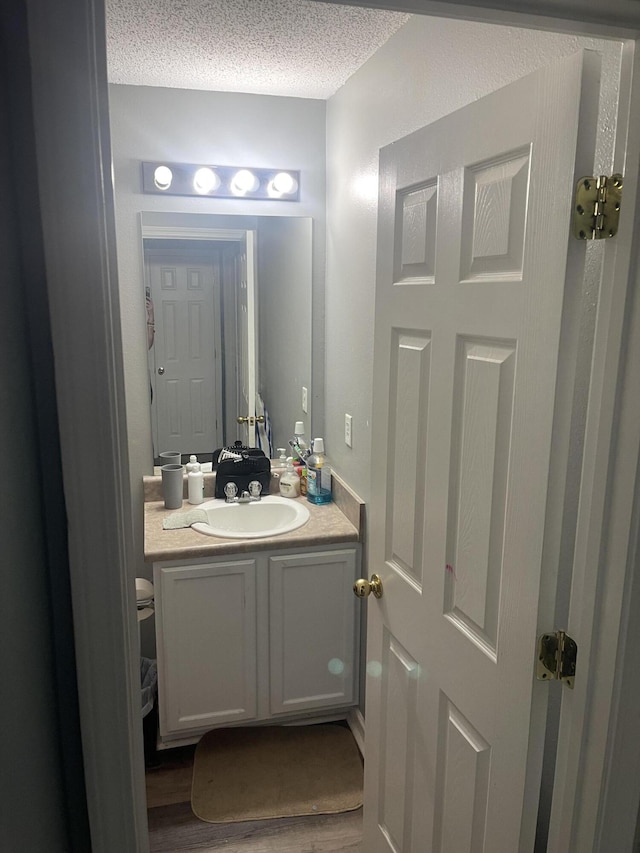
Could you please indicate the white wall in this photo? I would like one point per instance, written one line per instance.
(203, 127)
(428, 69)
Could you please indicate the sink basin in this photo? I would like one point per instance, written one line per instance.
(270, 516)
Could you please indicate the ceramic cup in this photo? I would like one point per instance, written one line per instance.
(172, 485)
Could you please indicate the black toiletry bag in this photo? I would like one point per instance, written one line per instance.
(240, 465)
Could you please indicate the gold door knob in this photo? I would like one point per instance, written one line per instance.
(250, 419)
(362, 587)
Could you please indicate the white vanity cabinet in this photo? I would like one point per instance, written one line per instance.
(272, 635)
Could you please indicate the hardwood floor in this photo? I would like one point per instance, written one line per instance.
(173, 827)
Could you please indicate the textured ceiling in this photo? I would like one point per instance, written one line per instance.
(275, 47)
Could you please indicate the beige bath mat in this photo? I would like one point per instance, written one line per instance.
(275, 771)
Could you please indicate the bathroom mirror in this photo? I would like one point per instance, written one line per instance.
(229, 328)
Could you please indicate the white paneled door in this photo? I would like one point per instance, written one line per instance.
(185, 376)
(473, 238)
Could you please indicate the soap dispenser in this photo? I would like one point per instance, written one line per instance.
(290, 481)
(192, 464)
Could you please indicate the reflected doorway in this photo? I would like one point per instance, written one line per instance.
(200, 358)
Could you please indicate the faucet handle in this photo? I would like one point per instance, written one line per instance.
(230, 490)
(255, 489)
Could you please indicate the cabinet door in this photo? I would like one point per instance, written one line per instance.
(312, 632)
(206, 638)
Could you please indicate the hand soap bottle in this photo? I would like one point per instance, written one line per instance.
(290, 481)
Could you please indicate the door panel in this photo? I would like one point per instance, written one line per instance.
(462, 782)
(494, 218)
(207, 662)
(483, 406)
(312, 641)
(408, 419)
(472, 256)
(399, 673)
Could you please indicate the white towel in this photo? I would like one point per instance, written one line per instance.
(263, 430)
(185, 519)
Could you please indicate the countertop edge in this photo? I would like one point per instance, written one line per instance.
(246, 546)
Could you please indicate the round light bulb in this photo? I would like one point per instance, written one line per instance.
(162, 177)
(243, 182)
(205, 180)
(284, 183)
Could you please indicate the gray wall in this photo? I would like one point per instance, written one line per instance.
(427, 69)
(204, 127)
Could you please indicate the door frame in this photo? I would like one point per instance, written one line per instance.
(618, 19)
(68, 77)
(606, 536)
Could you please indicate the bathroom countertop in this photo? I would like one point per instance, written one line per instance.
(326, 525)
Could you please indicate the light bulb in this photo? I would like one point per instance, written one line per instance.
(205, 180)
(243, 182)
(162, 177)
(284, 183)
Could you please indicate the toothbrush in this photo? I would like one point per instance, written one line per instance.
(301, 454)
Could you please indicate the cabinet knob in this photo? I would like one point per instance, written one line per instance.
(363, 588)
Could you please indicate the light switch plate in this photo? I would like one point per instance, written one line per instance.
(305, 400)
(348, 430)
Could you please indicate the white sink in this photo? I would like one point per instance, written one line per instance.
(270, 516)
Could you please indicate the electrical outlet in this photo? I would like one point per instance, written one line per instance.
(347, 430)
(305, 400)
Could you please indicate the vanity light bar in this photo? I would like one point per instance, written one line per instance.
(220, 181)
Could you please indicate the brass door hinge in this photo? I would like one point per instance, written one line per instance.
(596, 207)
(557, 655)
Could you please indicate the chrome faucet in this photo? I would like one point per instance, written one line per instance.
(253, 494)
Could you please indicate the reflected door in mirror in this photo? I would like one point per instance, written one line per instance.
(185, 370)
